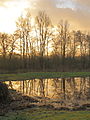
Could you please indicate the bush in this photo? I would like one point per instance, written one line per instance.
(4, 93)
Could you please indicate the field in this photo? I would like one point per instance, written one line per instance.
(44, 114)
(40, 75)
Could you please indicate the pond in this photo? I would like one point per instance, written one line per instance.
(57, 88)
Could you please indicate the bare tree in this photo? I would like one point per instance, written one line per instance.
(43, 30)
(63, 37)
(23, 30)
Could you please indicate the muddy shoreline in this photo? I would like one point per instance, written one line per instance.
(21, 102)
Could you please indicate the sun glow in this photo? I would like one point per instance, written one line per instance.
(9, 14)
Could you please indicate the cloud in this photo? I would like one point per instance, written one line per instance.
(77, 12)
(84, 2)
(2, 2)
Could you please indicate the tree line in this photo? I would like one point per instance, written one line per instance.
(44, 47)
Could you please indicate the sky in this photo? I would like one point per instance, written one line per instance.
(77, 12)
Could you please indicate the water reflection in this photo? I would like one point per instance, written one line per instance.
(58, 88)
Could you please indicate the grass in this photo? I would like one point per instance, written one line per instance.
(40, 75)
(43, 114)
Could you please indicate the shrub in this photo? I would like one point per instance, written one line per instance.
(4, 93)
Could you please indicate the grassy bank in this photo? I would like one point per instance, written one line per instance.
(40, 75)
(44, 114)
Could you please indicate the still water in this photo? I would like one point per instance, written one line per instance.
(58, 88)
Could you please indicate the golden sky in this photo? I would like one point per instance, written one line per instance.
(77, 12)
